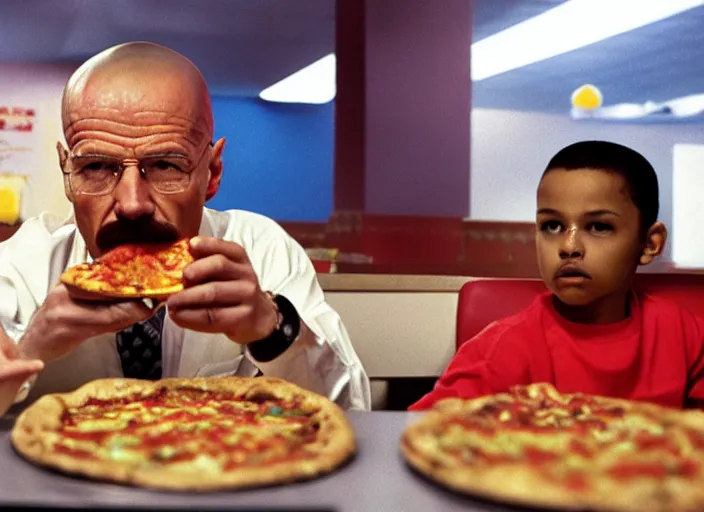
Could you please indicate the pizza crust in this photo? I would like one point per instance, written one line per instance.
(97, 292)
(37, 430)
(509, 485)
(517, 484)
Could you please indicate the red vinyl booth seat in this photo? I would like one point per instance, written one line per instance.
(484, 301)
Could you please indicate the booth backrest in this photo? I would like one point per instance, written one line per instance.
(484, 301)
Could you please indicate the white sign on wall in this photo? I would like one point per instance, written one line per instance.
(19, 157)
(687, 205)
(18, 140)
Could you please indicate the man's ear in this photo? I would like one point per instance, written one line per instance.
(655, 240)
(215, 169)
(63, 161)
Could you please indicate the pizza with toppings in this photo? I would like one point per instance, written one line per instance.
(196, 434)
(131, 271)
(536, 447)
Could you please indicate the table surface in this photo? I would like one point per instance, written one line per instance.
(377, 479)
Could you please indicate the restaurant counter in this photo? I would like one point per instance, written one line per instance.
(391, 283)
(377, 479)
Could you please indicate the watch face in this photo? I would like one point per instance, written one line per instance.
(290, 323)
(287, 329)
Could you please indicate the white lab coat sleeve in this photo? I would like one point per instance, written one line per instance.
(324, 362)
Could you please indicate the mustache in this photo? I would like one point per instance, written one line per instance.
(137, 231)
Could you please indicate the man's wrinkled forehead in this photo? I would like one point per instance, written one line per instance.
(112, 124)
(136, 95)
(136, 117)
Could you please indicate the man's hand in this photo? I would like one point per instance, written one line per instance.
(222, 294)
(62, 323)
(14, 371)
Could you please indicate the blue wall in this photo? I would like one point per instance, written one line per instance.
(278, 158)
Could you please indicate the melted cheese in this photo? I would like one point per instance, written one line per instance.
(102, 425)
(142, 434)
(204, 463)
(120, 454)
(511, 443)
(634, 422)
(243, 434)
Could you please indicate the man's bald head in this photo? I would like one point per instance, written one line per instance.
(138, 78)
(143, 109)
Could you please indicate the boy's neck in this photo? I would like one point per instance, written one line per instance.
(607, 310)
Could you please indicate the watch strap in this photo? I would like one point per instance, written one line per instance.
(284, 335)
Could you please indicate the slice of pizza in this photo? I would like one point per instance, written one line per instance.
(131, 271)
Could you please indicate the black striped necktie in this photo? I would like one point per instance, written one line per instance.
(139, 348)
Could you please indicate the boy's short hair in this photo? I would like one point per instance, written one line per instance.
(635, 169)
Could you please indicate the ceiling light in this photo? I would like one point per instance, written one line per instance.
(569, 26)
(313, 84)
(674, 109)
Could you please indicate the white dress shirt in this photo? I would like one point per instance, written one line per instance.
(34, 258)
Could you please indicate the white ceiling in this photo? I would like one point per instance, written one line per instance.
(243, 46)
(657, 62)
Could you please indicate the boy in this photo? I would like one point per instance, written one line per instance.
(596, 222)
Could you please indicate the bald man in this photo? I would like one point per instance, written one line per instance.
(139, 166)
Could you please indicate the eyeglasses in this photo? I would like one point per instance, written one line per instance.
(97, 175)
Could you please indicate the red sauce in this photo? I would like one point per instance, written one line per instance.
(85, 436)
(646, 441)
(73, 452)
(149, 260)
(613, 412)
(253, 460)
(121, 254)
(576, 482)
(573, 480)
(586, 427)
(696, 438)
(688, 468)
(537, 456)
(579, 448)
(181, 457)
(629, 470)
(296, 419)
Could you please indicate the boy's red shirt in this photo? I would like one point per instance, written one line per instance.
(656, 355)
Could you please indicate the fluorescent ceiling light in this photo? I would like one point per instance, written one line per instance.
(313, 84)
(569, 26)
(674, 109)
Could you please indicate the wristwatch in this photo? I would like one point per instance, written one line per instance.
(286, 332)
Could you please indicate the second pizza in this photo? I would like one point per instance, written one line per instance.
(534, 446)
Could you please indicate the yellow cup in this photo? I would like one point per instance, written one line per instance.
(11, 186)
